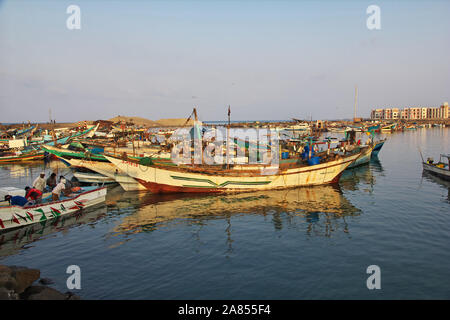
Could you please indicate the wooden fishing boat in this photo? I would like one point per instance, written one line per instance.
(336, 130)
(86, 155)
(373, 128)
(439, 169)
(92, 178)
(22, 157)
(377, 148)
(17, 216)
(73, 154)
(364, 158)
(5, 137)
(162, 179)
(13, 241)
(107, 169)
(388, 128)
(64, 140)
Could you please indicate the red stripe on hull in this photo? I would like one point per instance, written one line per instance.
(336, 179)
(165, 188)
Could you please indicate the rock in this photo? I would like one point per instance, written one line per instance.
(16, 283)
(7, 281)
(5, 269)
(6, 294)
(72, 296)
(24, 277)
(42, 293)
(46, 281)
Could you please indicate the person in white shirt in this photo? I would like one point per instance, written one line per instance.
(39, 182)
(57, 190)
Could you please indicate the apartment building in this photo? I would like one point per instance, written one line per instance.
(411, 113)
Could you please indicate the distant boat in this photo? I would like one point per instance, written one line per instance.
(375, 128)
(64, 140)
(336, 130)
(439, 169)
(303, 127)
(388, 128)
(22, 157)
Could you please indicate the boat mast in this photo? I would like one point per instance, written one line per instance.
(228, 137)
(356, 102)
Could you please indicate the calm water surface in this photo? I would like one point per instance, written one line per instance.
(308, 243)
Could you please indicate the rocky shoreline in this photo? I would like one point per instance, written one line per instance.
(17, 283)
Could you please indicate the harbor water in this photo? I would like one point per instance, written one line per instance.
(306, 243)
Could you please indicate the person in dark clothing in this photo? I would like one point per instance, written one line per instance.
(75, 182)
(16, 200)
(51, 181)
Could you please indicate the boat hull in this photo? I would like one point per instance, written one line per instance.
(22, 158)
(16, 216)
(376, 150)
(171, 180)
(107, 169)
(440, 172)
(364, 158)
(87, 177)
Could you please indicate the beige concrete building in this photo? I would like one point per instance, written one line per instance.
(412, 113)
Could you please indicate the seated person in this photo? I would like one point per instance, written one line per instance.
(51, 181)
(33, 194)
(16, 200)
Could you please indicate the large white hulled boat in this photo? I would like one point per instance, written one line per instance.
(162, 179)
(107, 171)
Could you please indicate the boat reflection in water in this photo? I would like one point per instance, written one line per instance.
(322, 208)
(320, 211)
(12, 241)
(26, 171)
(435, 179)
(361, 176)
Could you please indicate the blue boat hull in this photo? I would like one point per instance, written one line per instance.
(363, 159)
(377, 148)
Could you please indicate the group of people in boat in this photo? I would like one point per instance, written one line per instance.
(40, 186)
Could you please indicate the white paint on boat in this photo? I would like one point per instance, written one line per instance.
(17, 216)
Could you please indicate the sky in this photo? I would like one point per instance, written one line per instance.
(268, 60)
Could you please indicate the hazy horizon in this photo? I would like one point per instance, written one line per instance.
(267, 59)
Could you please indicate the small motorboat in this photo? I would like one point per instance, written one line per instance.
(88, 177)
(440, 169)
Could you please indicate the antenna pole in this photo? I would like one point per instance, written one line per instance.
(356, 102)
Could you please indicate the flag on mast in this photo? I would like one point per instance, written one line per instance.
(229, 110)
